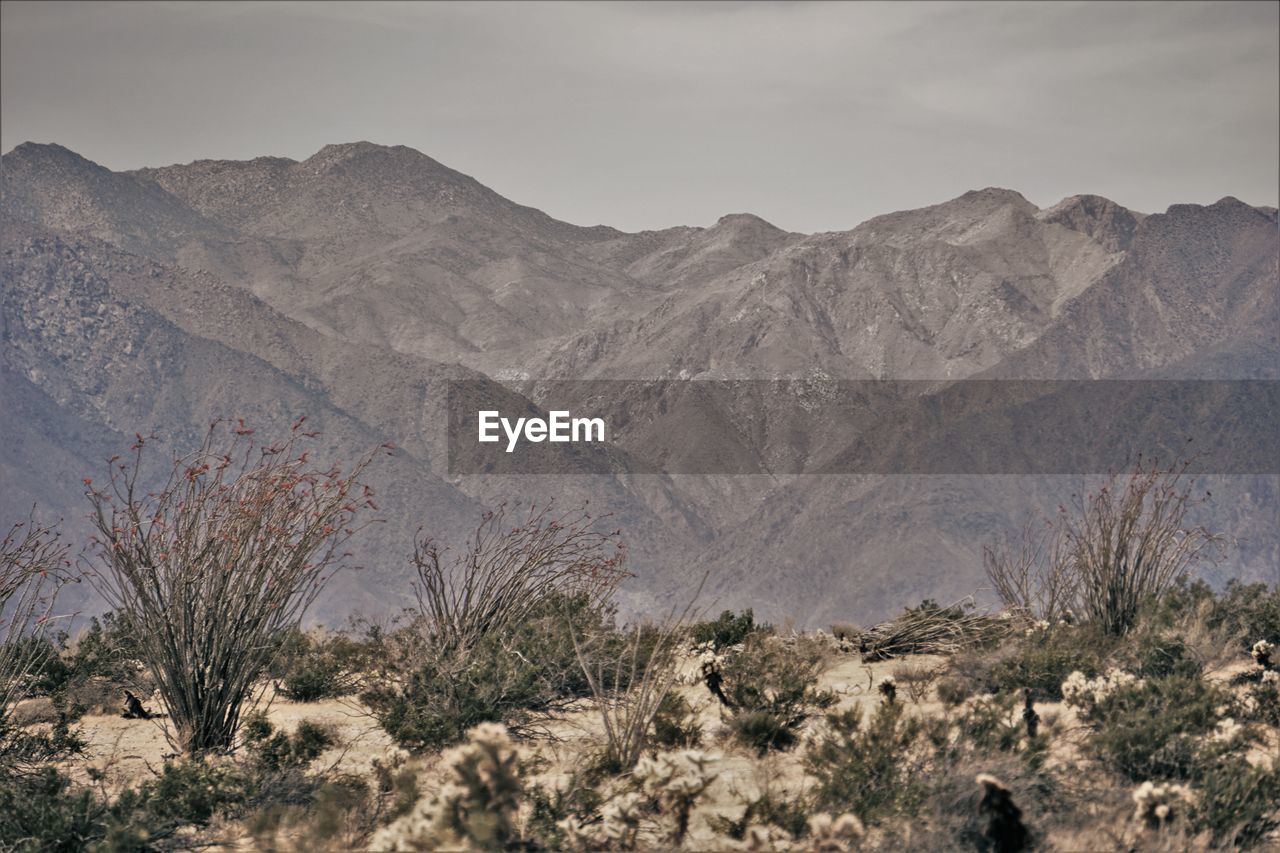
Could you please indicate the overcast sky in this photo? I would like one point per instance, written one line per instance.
(815, 116)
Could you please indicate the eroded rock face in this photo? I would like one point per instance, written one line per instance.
(352, 284)
(1102, 220)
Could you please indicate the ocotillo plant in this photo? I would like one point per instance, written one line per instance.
(1130, 541)
(510, 568)
(33, 567)
(1107, 551)
(211, 565)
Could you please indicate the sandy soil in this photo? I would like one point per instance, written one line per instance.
(124, 751)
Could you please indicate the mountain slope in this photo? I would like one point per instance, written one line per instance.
(355, 284)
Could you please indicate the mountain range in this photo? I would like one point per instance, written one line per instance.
(353, 286)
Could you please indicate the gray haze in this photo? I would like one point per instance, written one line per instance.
(815, 116)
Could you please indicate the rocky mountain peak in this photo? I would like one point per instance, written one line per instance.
(997, 195)
(746, 221)
(368, 158)
(1098, 217)
(45, 152)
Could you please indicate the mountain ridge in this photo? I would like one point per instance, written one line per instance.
(360, 281)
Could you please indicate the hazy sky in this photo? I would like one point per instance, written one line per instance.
(814, 116)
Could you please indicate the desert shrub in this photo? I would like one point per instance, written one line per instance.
(1034, 576)
(45, 811)
(23, 750)
(576, 802)
(1236, 802)
(527, 669)
(340, 815)
(989, 723)
(915, 681)
(675, 725)
(1249, 612)
(47, 672)
(1157, 728)
(765, 730)
(1158, 655)
(952, 690)
(312, 666)
(33, 563)
(89, 674)
(870, 770)
(1181, 600)
(397, 786)
(726, 630)
(274, 750)
(340, 812)
(665, 789)
(106, 649)
(1261, 703)
(186, 793)
(1131, 540)
(630, 684)
(315, 679)
(1041, 662)
(791, 815)
(674, 782)
(772, 687)
(270, 779)
(949, 817)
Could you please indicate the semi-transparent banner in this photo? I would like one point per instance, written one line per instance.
(861, 427)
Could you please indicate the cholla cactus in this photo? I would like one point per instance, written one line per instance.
(834, 835)
(675, 780)
(766, 839)
(1037, 626)
(617, 829)
(620, 821)
(475, 810)
(1081, 691)
(1271, 677)
(1155, 805)
(1262, 651)
(711, 667)
(1227, 731)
